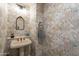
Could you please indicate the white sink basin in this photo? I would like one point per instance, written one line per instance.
(19, 42)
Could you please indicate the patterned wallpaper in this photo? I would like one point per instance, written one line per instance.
(3, 28)
(62, 29)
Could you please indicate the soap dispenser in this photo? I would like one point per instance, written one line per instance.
(12, 35)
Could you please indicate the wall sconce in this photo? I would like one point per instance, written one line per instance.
(20, 6)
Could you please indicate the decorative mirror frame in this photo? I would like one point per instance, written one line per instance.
(17, 19)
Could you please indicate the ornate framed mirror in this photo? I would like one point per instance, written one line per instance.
(20, 23)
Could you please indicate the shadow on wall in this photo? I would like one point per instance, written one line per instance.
(41, 33)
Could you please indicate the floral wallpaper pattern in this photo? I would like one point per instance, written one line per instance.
(61, 28)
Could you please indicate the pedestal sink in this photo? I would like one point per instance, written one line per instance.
(20, 42)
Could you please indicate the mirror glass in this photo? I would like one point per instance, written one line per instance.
(19, 23)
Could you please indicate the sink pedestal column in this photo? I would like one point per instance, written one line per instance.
(21, 51)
